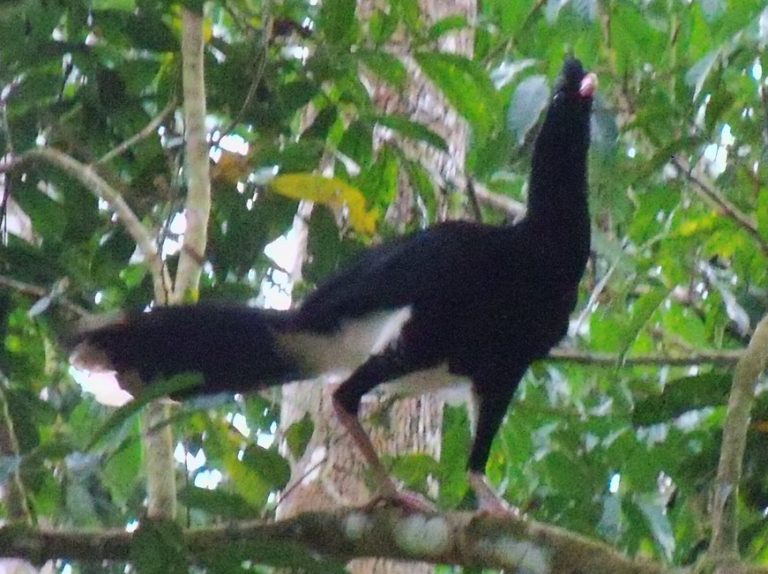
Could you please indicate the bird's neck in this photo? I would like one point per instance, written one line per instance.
(557, 193)
(558, 212)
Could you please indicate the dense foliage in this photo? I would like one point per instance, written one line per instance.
(611, 449)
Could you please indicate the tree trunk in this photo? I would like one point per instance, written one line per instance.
(331, 472)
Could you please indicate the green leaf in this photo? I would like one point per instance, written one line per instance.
(456, 439)
(386, 66)
(530, 99)
(298, 436)
(123, 468)
(413, 130)
(268, 464)
(658, 523)
(466, 86)
(445, 25)
(338, 22)
(120, 5)
(218, 503)
(414, 469)
(158, 548)
(641, 313)
(682, 395)
(762, 209)
(156, 390)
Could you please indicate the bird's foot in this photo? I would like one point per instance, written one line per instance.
(488, 501)
(405, 499)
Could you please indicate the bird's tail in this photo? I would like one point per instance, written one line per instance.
(233, 347)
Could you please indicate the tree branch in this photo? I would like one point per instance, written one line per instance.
(717, 357)
(473, 540)
(198, 203)
(93, 182)
(512, 208)
(41, 292)
(14, 495)
(722, 205)
(146, 132)
(724, 542)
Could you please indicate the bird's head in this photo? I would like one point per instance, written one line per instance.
(575, 86)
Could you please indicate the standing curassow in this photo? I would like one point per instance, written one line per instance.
(460, 301)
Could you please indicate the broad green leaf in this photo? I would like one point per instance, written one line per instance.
(658, 523)
(413, 130)
(456, 438)
(298, 436)
(414, 469)
(762, 211)
(268, 463)
(531, 97)
(337, 20)
(156, 390)
(123, 468)
(332, 192)
(447, 24)
(467, 86)
(158, 548)
(249, 484)
(641, 313)
(683, 395)
(386, 66)
(218, 502)
(122, 5)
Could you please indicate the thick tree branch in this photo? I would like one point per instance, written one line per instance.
(197, 176)
(158, 440)
(724, 543)
(472, 540)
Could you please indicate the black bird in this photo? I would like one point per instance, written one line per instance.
(457, 301)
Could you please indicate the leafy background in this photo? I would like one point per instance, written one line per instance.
(616, 450)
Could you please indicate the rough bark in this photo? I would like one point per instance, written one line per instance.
(331, 473)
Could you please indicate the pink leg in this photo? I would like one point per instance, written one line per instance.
(387, 490)
(488, 502)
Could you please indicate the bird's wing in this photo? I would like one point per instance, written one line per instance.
(446, 261)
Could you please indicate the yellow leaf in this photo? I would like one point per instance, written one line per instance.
(702, 224)
(329, 191)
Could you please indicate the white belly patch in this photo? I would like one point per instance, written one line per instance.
(347, 348)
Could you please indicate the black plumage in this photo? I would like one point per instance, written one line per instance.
(481, 302)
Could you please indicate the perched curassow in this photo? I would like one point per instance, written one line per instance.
(457, 302)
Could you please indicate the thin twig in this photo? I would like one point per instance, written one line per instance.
(93, 182)
(723, 205)
(40, 292)
(16, 494)
(147, 131)
(257, 77)
(514, 209)
(473, 204)
(710, 356)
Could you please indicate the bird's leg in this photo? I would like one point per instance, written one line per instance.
(346, 403)
(492, 402)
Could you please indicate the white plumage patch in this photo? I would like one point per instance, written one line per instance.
(347, 348)
(340, 353)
